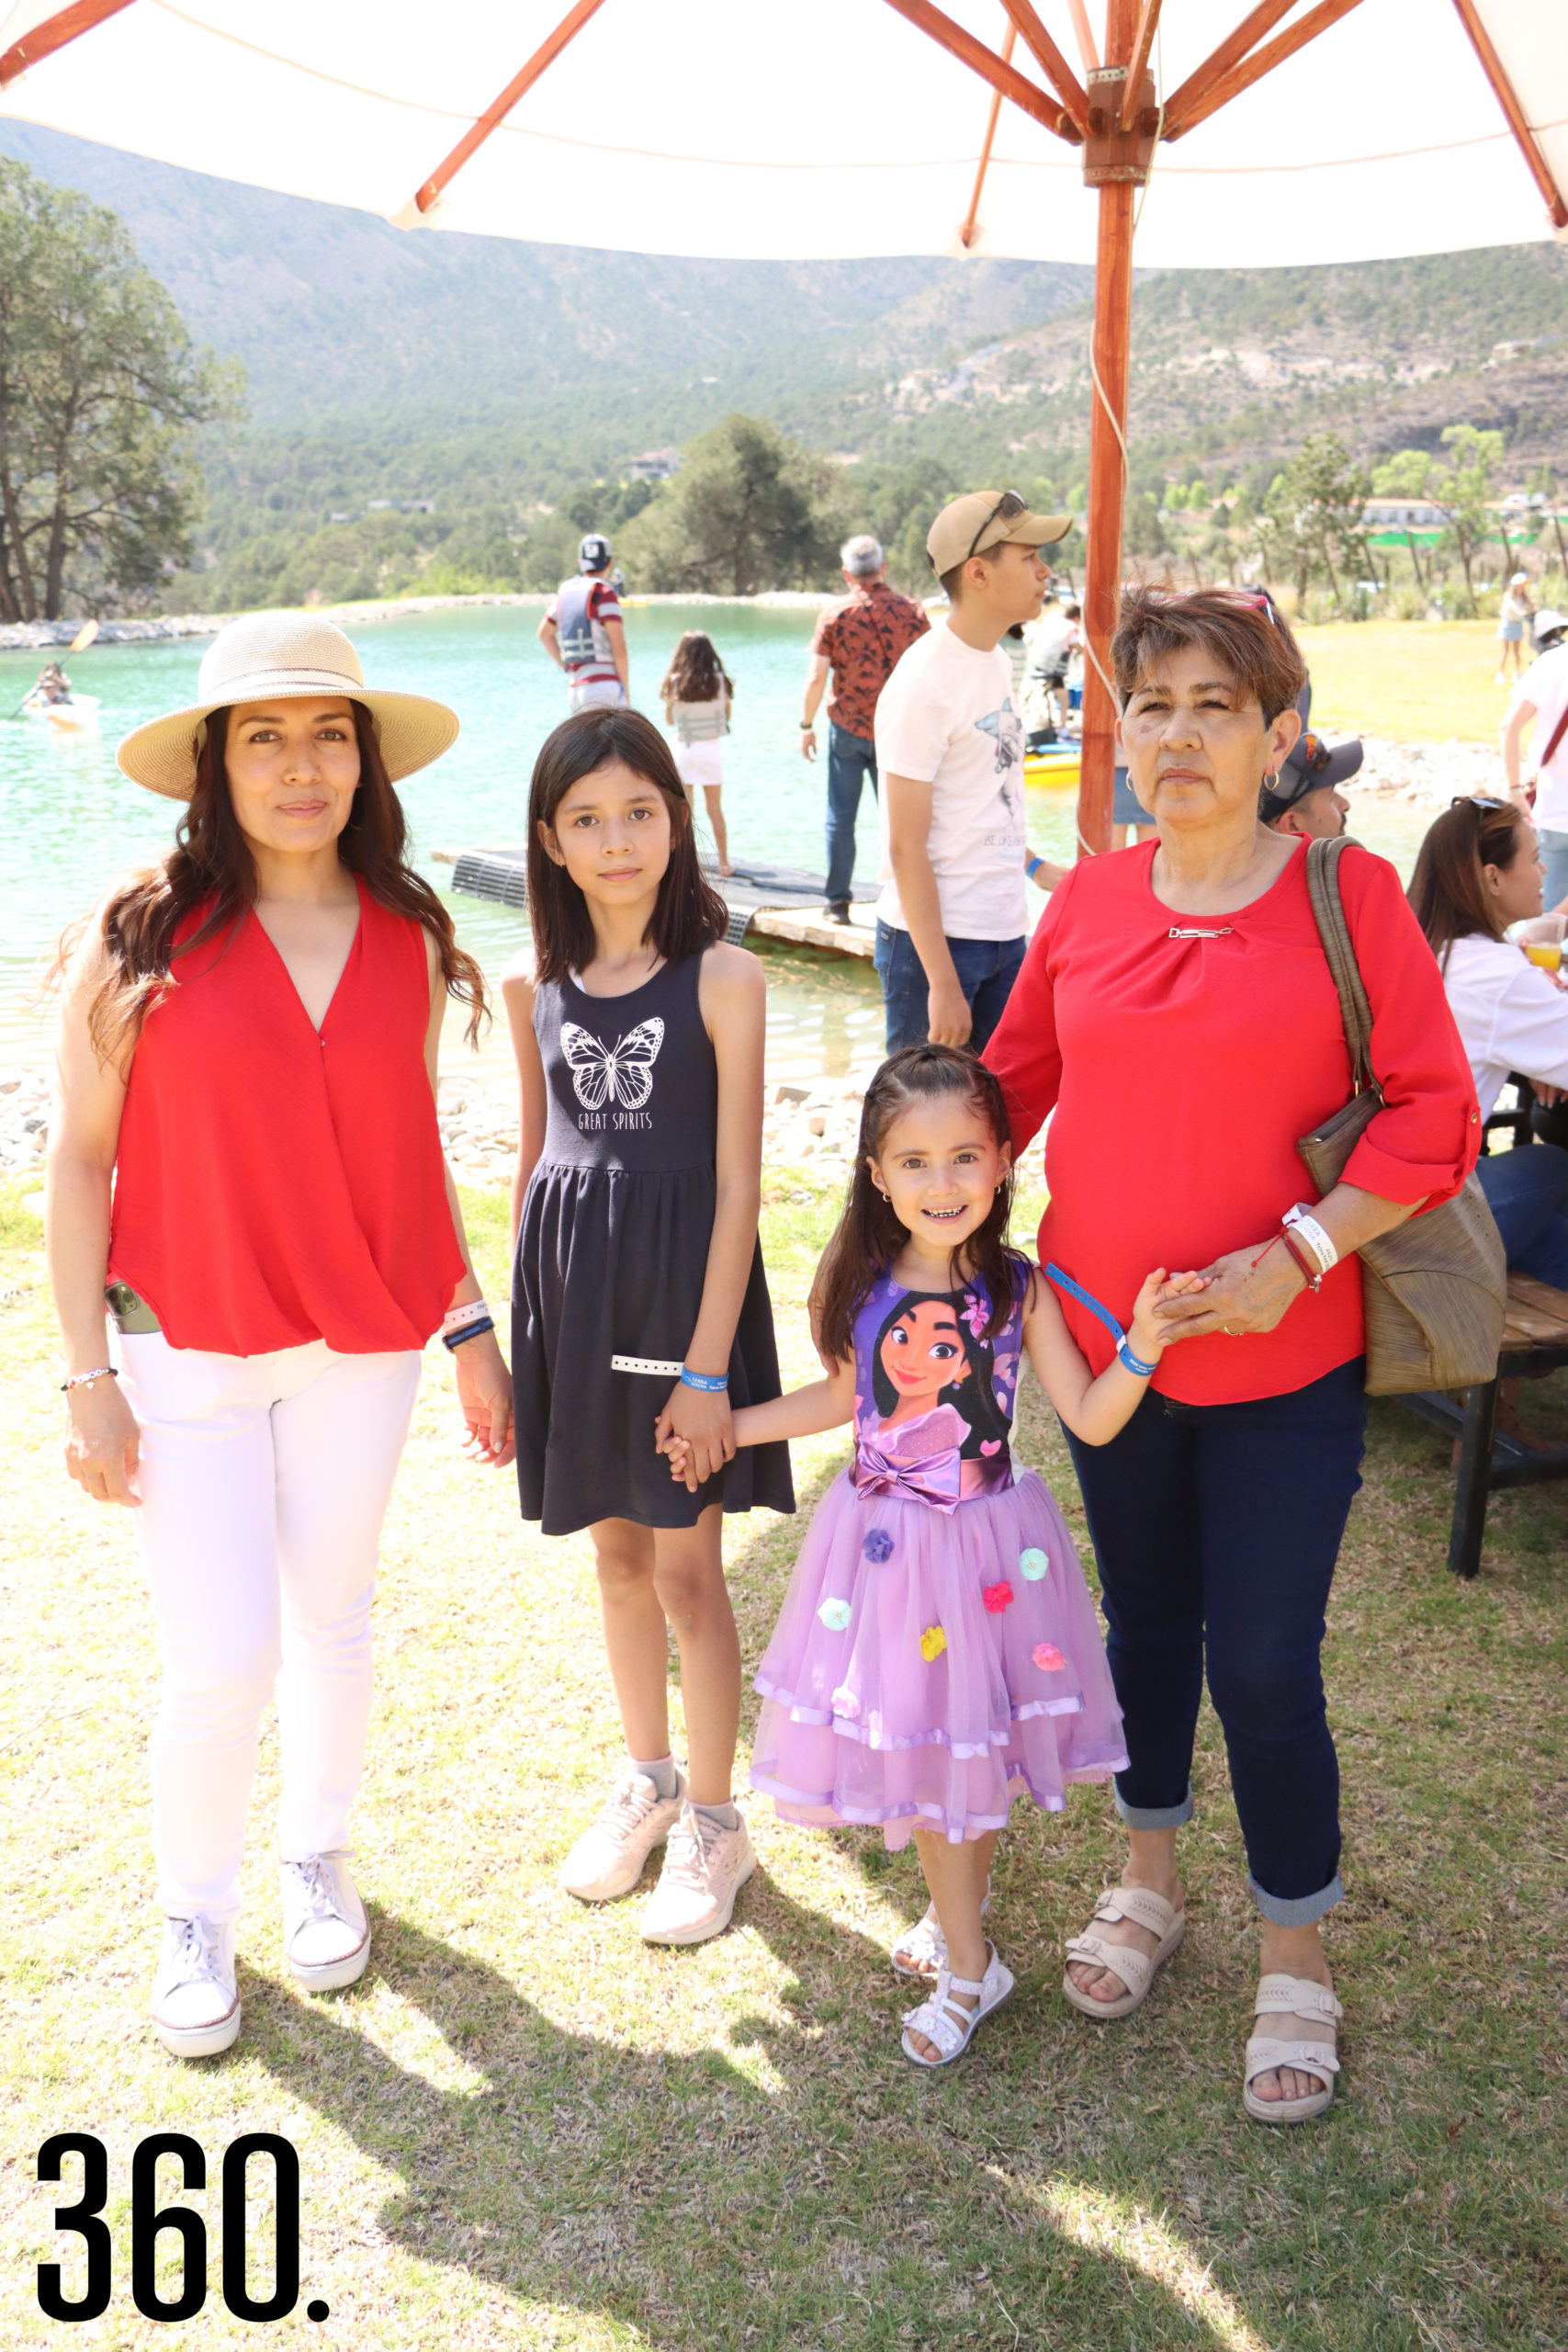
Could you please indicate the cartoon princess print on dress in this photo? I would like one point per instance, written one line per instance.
(938, 1653)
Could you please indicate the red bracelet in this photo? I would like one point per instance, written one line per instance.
(1313, 1271)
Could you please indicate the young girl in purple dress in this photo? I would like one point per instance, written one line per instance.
(938, 1652)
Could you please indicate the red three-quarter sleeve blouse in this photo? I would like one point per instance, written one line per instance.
(1178, 1072)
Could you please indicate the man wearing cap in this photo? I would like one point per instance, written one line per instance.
(953, 917)
(584, 632)
(860, 640)
(1305, 798)
(1543, 694)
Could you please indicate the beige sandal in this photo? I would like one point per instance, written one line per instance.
(1306, 1998)
(1136, 1969)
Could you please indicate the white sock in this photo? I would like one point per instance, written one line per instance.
(661, 1773)
(724, 1815)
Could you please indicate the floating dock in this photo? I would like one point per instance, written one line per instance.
(777, 901)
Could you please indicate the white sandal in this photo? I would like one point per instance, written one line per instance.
(942, 2022)
(926, 1942)
(1136, 1969)
(1306, 1998)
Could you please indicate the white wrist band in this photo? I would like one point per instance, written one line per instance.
(457, 1319)
(1306, 1228)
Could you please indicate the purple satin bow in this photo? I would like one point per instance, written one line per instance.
(934, 1480)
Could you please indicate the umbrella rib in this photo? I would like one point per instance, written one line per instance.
(544, 56)
(1051, 62)
(988, 65)
(1507, 98)
(1143, 42)
(55, 33)
(1231, 50)
(1252, 69)
(971, 218)
(1084, 35)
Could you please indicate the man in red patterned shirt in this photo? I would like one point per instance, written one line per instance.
(861, 640)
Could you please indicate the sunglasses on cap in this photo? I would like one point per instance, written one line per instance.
(1476, 800)
(1008, 509)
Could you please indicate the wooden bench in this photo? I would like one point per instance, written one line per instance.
(1535, 1340)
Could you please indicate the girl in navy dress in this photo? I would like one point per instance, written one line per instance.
(640, 1309)
(938, 1652)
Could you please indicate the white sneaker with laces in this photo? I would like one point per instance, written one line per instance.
(196, 2007)
(706, 1866)
(326, 1935)
(608, 1859)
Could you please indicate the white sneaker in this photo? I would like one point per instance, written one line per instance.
(326, 1935)
(196, 2008)
(607, 1860)
(706, 1866)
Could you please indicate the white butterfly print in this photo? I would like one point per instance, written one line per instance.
(620, 1073)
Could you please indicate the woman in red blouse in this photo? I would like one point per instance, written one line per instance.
(244, 1164)
(1177, 1020)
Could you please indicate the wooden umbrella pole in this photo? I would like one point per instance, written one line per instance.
(1107, 486)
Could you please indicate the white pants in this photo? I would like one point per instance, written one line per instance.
(264, 1483)
(595, 692)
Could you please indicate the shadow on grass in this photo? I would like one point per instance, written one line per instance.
(681, 2198)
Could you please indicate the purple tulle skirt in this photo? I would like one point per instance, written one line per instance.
(927, 1668)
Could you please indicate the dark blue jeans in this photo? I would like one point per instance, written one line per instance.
(987, 969)
(851, 759)
(1527, 1191)
(1216, 1529)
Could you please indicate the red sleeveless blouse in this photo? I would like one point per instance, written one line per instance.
(274, 1184)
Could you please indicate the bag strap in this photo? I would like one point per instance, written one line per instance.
(1544, 759)
(1328, 909)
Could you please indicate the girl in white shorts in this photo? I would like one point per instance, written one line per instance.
(698, 694)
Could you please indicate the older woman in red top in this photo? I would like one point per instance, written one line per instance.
(244, 1161)
(1177, 1020)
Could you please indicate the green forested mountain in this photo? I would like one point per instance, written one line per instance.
(436, 410)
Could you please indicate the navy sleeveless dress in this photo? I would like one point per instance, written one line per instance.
(611, 1256)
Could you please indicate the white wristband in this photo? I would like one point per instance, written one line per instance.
(457, 1319)
(1306, 1228)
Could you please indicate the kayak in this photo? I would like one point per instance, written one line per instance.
(1056, 768)
(79, 712)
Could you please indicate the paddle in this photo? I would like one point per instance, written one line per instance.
(78, 644)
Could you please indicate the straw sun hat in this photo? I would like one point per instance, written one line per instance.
(282, 657)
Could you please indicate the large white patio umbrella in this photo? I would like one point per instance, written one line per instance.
(1340, 132)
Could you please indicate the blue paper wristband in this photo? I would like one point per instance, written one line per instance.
(1134, 1363)
(710, 1383)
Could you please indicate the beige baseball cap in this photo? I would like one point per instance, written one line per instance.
(282, 657)
(988, 518)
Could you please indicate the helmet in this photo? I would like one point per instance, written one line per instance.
(1549, 627)
(593, 553)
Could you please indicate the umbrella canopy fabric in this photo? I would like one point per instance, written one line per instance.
(830, 129)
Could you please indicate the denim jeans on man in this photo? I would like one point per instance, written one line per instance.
(1527, 1192)
(987, 969)
(1216, 1529)
(1554, 857)
(851, 759)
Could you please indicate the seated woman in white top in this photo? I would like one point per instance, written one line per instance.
(1480, 870)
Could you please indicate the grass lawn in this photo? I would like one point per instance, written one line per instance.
(1416, 681)
(525, 2128)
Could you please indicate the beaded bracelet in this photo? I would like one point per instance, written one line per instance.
(84, 1379)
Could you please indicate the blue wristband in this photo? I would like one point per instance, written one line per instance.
(453, 1341)
(1031, 867)
(710, 1383)
(1134, 1363)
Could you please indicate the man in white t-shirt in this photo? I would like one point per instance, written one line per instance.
(953, 917)
(1543, 694)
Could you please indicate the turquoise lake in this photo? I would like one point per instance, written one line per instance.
(70, 822)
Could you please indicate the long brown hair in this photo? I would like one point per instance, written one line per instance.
(869, 1236)
(695, 673)
(688, 914)
(210, 867)
(1447, 889)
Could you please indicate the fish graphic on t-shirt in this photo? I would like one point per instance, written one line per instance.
(1007, 729)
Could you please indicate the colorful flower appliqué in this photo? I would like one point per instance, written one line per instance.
(878, 1546)
(998, 1597)
(933, 1641)
(1048, 1657)
(835, 1615)
(845, 1702)
(1033, 1563)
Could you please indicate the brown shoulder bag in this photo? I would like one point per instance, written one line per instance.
(1435, 1288)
